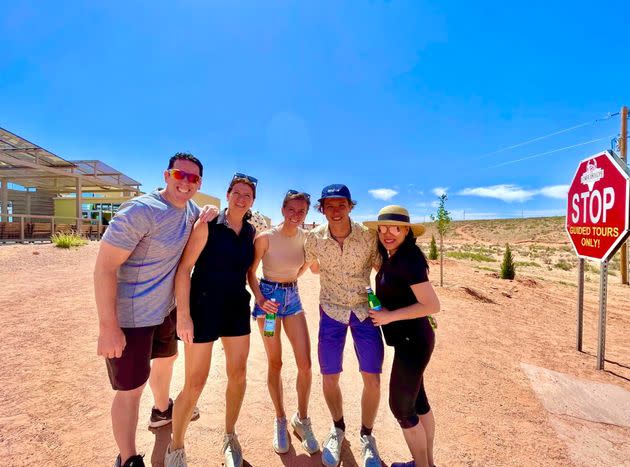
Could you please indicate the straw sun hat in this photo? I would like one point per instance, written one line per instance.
(394, 215)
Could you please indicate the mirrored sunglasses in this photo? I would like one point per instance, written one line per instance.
(395, 230)
(249, 178)
(295, 192)
(181, 175)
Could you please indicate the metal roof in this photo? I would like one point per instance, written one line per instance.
(31, 166)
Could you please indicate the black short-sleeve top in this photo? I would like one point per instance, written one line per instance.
(393, 287)
(222, 266)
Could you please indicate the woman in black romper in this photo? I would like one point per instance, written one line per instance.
(213, 304)
(407, 297)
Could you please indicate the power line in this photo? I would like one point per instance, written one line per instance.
(558, 132)
(540, 154)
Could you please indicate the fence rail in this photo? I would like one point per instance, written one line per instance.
(27, 228)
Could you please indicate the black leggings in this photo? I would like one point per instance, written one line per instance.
(407, 397)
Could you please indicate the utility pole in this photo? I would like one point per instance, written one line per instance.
(623, 150)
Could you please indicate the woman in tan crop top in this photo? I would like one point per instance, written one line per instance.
(281, 250)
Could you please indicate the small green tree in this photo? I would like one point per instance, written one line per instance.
(433, 252)
(442, 221)
(507, 266)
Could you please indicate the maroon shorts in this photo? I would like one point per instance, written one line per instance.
(132, 369)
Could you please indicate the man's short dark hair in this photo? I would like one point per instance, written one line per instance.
(185, 156)
(320, 206)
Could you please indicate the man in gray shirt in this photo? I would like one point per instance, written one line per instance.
(133, 282)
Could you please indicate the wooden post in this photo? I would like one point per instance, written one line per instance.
(623, 150)
(78, 207)
(601, 328)
(22, 229)
(580, 305)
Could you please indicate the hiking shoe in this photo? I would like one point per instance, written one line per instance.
(176, 458)
(232, 453)
(369, 452)
(305, 432)
(331, 447)
(280, 435)
(133, 461)
(159, 419)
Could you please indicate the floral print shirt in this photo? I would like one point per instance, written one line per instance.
(344, 272)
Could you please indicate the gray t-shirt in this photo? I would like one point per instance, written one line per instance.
(156, 233)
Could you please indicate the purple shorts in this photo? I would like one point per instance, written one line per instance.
(368, 344)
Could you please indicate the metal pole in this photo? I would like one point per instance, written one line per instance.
(601, 329)
(623, 151)
(580, 304)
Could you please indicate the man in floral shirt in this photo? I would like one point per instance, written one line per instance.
(344, 253)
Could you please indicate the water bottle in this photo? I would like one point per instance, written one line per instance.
(373, 300)
(270, 322)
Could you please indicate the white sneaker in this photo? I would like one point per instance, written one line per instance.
(305, 432)
(369, 453)
(232, 453)
(331, 447)
(176, 458)
(280, 436)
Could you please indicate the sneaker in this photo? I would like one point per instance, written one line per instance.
(305, 432)
(176, 458)
(280, 435)
(133, 461)
(159, 419)
(369, 452)
(331, 447)
(232, 451)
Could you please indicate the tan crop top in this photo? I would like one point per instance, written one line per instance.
(284, 256)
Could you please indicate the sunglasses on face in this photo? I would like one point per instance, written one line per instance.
(295, 192)
(395, 230)
(249, 178)
(181, 175)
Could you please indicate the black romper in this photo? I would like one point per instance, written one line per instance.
(219, 301)
(413, 339)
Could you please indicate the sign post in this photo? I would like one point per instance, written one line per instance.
(598, 222)
(580, 305)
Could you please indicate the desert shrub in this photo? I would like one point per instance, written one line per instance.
(474, 256)
(563, 264)
(433, 251)
(68, 240)
(527, 263)
(508, 270)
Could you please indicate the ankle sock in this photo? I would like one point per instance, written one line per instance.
(340, 424)
(365, 430)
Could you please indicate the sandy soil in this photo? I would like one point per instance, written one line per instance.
(55, 393)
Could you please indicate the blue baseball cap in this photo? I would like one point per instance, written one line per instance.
(336, 190)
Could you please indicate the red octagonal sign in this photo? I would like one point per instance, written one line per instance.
(598, 207)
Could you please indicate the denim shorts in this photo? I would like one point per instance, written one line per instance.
(287, 298)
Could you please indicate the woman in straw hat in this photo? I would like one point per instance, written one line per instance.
(403, 286)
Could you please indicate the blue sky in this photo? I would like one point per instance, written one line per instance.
(399, 100)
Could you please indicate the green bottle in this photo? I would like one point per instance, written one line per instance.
(270, 323)
(373, 300)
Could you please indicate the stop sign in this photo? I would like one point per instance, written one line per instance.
(598, 207)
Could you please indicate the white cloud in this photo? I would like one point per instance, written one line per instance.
(383, 193)
(505, 192)
(439, 190)
(435, 204)
(555, 191)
